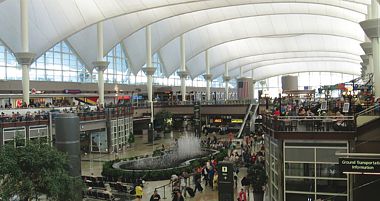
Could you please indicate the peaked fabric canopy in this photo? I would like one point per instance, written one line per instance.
(275, 36)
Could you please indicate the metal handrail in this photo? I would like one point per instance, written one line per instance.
(164, 186)
(368, 110)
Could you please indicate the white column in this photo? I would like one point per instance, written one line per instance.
(226, 81)
(25, 48)
(241, 72)
(100, 58)
(183, 68)
(208, 81)
(376, 51)
(101, 86)
(149, 69)
(253, 85)
(148, 36)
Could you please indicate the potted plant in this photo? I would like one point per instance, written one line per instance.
(258, 178)
(131, 138)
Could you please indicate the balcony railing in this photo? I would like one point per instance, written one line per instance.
(38, 119)
(145, 104)
(309, 123)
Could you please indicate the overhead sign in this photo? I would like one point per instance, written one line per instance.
(236, 120)
(359, 165)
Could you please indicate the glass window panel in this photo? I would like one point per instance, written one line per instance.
(299, 184)
(299, 197)
(299, 169)
(328, 155)
(331, 186)
(11, 60)
(40, 75)
(32, 74)
(2, 73)
(332, 197)
(329, 170)
(299, 154)
(14, 73)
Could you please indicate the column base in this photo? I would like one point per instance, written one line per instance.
(149, 70)
(365, 59)
(226, 78)
(367, 48)
(371, 27)
(25, 58)
(207, 76)
(183, 74)
(100, 65)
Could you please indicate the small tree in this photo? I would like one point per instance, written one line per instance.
(258, 178)
(34, 170)
(131, 138)
(163, 120)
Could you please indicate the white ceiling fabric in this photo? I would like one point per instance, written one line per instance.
(226, 52)
(274, 58)
(205, 24)
(304, 66)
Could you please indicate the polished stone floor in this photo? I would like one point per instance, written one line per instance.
(92, 165)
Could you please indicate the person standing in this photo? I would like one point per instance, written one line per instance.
(205, 175)
(139, 192)
(183, 185)
(178, 196)
(155, 196)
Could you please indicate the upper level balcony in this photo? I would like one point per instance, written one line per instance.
(310, 127)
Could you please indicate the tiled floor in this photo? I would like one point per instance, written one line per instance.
(92, 165)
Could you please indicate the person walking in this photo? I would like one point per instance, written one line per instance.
(242, 195)
(139, 192)
(155, 196)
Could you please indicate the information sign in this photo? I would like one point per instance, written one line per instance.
(359, 165)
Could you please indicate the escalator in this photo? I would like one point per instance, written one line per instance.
(252, 113)
(367, 141)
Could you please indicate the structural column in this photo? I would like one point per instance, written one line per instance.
(372, 29)
(149, 69)
(253, 85)
(25, 58)
(207, 77)
(226, 79)
(100, 65)
(183, 73)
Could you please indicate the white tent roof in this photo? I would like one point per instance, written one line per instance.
(326, 31)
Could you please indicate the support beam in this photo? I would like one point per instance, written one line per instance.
(100, 65)
(183, 73)
(149, 70)
(208, 77)
(25, 58)
(226, 79)
(253, 85)
(372, 29)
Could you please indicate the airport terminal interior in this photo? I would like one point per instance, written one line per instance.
(197, 100)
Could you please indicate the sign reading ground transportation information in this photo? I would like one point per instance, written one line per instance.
(359, 165)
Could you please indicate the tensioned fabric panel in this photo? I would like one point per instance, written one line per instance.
(163, 31)
(286, 68)
(52, 21)
(280, 57)
(291, 46)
